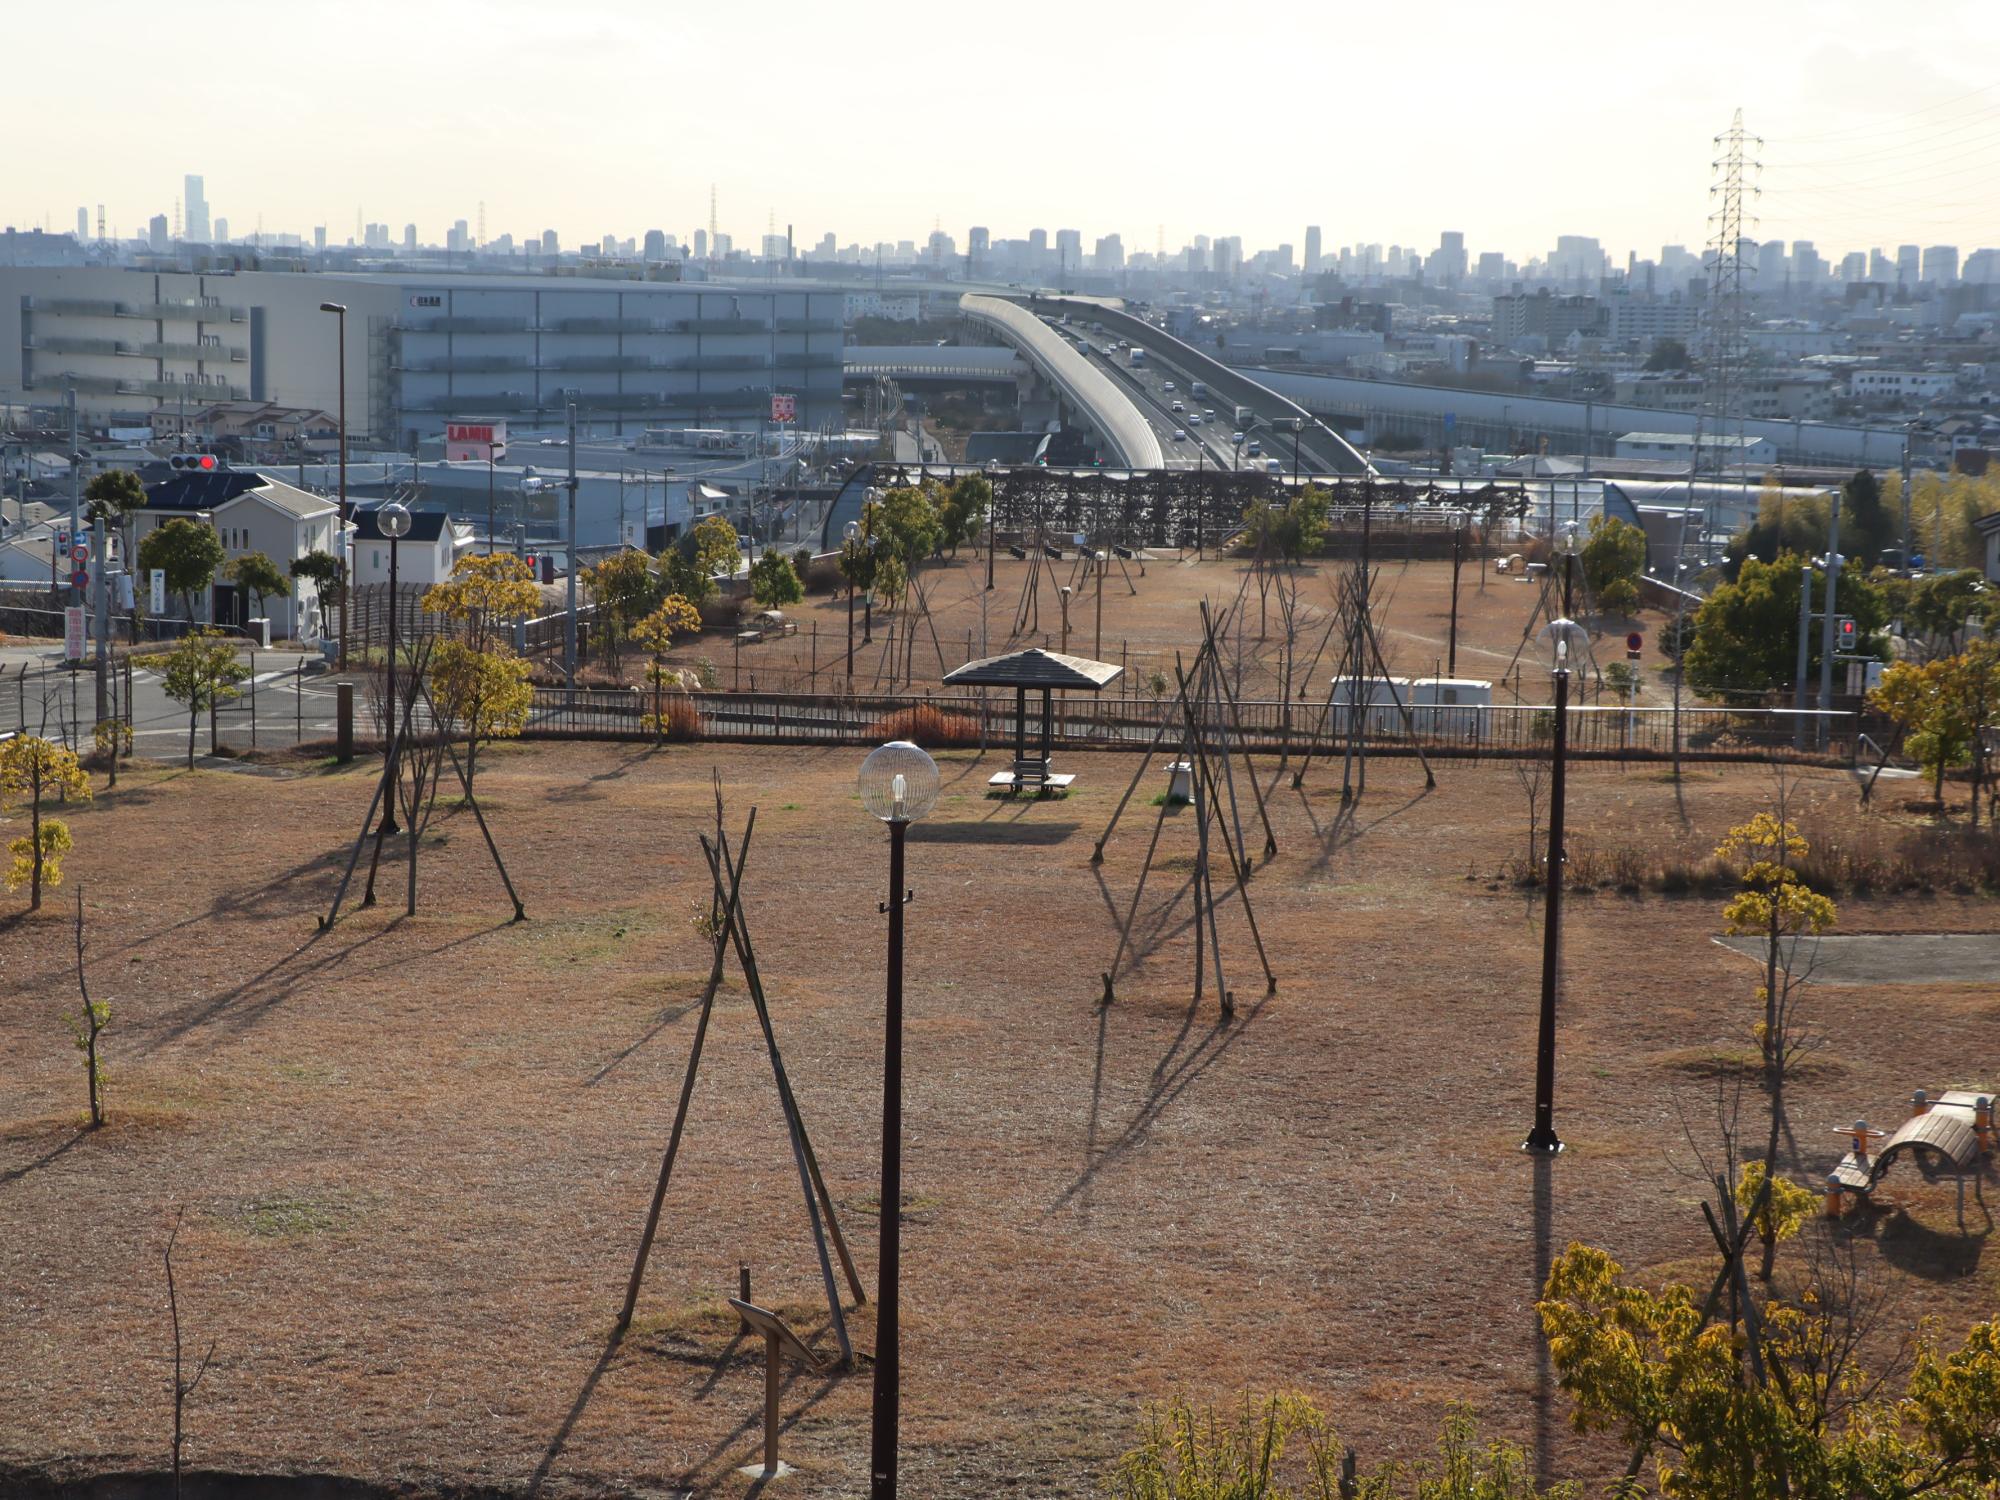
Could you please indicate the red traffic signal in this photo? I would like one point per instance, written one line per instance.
(1848, 635)
(194, 463)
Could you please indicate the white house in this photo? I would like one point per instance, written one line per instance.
(251, 512)
(1678, 447)
(425, 556)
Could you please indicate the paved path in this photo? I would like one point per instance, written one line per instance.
(1892, 957)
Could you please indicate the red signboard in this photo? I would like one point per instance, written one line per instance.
(784, 408)
(470, 441)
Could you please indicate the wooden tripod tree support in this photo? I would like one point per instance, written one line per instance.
(1361, 660)
(417, 807)
(1562, 590)
(732, 932)
(1200, 704)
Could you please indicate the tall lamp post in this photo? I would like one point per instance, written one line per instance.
(898, 784)
(1562, 637)
(992, 516)
(339, 310)
(394, 520)
(1457, 554)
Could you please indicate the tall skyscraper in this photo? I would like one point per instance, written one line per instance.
(701, 244)
(550, 244)
(156, 234)
(1907, 262)
(656, 244)
(1941, 265)
(409, 239)
(195, 207)
(82, 226)
(1312, 250)
(221, 230)
(319, 238)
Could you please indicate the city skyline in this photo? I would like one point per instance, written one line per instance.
(1859, 150)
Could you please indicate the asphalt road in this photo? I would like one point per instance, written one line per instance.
(1891, 957)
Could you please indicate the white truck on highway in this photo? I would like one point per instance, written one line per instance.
(1138, 355)
(1245, 416)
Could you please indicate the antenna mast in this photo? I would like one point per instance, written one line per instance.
(1725, 345)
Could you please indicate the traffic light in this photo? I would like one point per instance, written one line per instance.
(194, 463)
(1844, 625)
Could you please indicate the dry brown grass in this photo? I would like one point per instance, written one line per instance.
(414, 1154)
(929, 726)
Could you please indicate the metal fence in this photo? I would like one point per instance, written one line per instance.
(1264, 726)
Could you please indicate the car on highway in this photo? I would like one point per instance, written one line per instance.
(1208, 412)
(1170, 385)
(553, 442)
(1178, 406)
(1236, 437)
(1255, 448)
(1194, 420)
(1180, 436)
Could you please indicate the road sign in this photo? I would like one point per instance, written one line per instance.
(73, 633)
(80, 579)
(156, 599)
(80, 551)
(1634, 641)
(784, 408)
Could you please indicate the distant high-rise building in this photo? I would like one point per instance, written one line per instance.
(656, 244)
(1908, 264)
(1808, 270)
(723, 245)
(195, 210)
(1312, 250)
(458, 238)
(1110, 254)
(1447, 263)
(1038, 241)
(551, 245)
(1069, 247)
(1880, 267)
(1771, 266)
(1854, 267)
(1982, 268)
(1941, 265)
(1492, 267)
(82, 226)
(156, 234)
(221, 231)
(319, 238)
(409, 239)
(701, 244)
(978, 239)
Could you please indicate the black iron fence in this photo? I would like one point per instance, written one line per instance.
(1264, 726)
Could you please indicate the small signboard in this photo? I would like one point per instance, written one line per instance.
(784, 408)
(1633, 644)
(156, 598)
(80, 552)
(73, 633)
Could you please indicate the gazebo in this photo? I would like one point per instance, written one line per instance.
(1050, 672)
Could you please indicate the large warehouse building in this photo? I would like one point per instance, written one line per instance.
(629, 354)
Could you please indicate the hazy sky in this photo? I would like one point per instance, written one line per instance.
(883, 119)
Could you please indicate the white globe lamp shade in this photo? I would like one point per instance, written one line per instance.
(898, 782)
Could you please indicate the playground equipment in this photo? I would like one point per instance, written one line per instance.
(1954, 1133)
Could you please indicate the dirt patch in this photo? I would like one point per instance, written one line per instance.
(414, 1154)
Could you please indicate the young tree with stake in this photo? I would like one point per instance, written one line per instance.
(259, 577)
(188, 552)
(476, 679)
(202, 671)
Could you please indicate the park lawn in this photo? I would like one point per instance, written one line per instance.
(411, 1157)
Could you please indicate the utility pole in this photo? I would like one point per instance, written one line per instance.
(569, 628)
(1805, 637)
(1908, 538)
(75, 482)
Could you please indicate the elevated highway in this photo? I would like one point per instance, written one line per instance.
(1321, 449)
(1084, 388)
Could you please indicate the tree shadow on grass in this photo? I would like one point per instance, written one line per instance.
(661, 1022)
(47, 1158)
(569, 1421)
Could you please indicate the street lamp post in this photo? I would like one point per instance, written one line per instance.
(394, 519)
(339, 310)
(1561, 635)
(992, 517)
(1457, 552)
(898, 784)
(569, 628)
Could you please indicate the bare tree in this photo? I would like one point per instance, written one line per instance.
(1532, 771)
(184, 1387)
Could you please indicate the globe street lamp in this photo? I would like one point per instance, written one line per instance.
(394, 521)
(1457, 554)
(1563, 639)
(898, 784)
(339, 310)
